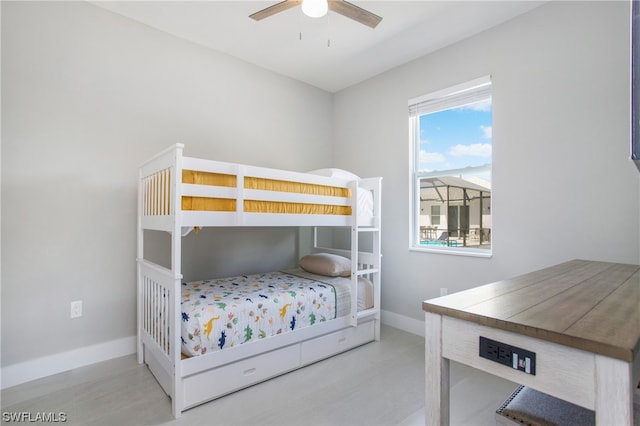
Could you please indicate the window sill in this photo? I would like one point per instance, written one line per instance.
(453, 251)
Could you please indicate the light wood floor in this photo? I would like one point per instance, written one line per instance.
(380, 383)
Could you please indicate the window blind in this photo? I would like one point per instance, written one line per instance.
(473, 91)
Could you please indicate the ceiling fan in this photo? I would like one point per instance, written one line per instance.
(318, 8)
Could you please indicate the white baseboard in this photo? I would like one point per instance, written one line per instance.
(402, 322)
(46, 366)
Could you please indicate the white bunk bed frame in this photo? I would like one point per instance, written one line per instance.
(199, 379)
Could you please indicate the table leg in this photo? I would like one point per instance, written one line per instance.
(614, 393)
(436, 406)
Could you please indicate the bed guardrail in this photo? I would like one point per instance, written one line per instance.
(157, 194)
(156, 293)
(157, 189)
(214, 193)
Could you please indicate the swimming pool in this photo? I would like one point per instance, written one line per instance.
(439, 243)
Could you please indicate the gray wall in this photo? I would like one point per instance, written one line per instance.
(563, 184)
(87, 96)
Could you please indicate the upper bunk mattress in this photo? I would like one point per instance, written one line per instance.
(227, 312)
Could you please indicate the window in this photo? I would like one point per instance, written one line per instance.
(451, 136)
(435, 214)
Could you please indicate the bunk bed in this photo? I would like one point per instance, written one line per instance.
(196, 358)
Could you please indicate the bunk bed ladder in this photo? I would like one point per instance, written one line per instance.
(371, 264)
(367, 262)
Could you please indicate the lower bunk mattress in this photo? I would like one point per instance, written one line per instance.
(226, 312)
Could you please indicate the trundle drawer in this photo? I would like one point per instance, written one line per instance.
(325, 346)
(231, 377)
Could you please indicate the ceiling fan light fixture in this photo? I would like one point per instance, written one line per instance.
(319, 8)
(315, 8)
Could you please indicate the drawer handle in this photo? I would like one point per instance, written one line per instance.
(249, 372)
(342, 339)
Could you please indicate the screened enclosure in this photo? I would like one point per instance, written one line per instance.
(454, 212)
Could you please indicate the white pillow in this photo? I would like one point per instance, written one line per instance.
(335, 173)
(327, 264)
(365, 294)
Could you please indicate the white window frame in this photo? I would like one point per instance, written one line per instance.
(448, 98)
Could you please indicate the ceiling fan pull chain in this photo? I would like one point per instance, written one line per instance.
(328, 31)
(300, 18)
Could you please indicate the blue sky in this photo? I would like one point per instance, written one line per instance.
(456, 138)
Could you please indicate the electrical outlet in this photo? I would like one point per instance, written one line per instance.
(491, 351)
(511, 356)
(504, 355)
(76, 309)
(444, 291)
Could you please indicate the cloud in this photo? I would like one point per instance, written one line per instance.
(431, 157)
(475, 150)
(487, 132)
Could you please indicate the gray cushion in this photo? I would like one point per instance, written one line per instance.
(530, 407)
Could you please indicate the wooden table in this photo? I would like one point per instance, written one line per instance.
(580, 318)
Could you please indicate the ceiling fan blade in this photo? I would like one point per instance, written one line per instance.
(276, 8)
(354, 12)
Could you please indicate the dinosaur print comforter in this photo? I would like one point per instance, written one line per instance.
(226, 312)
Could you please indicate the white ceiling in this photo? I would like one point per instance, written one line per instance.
(332, 52)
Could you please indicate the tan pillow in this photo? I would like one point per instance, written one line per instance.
(330, 265)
